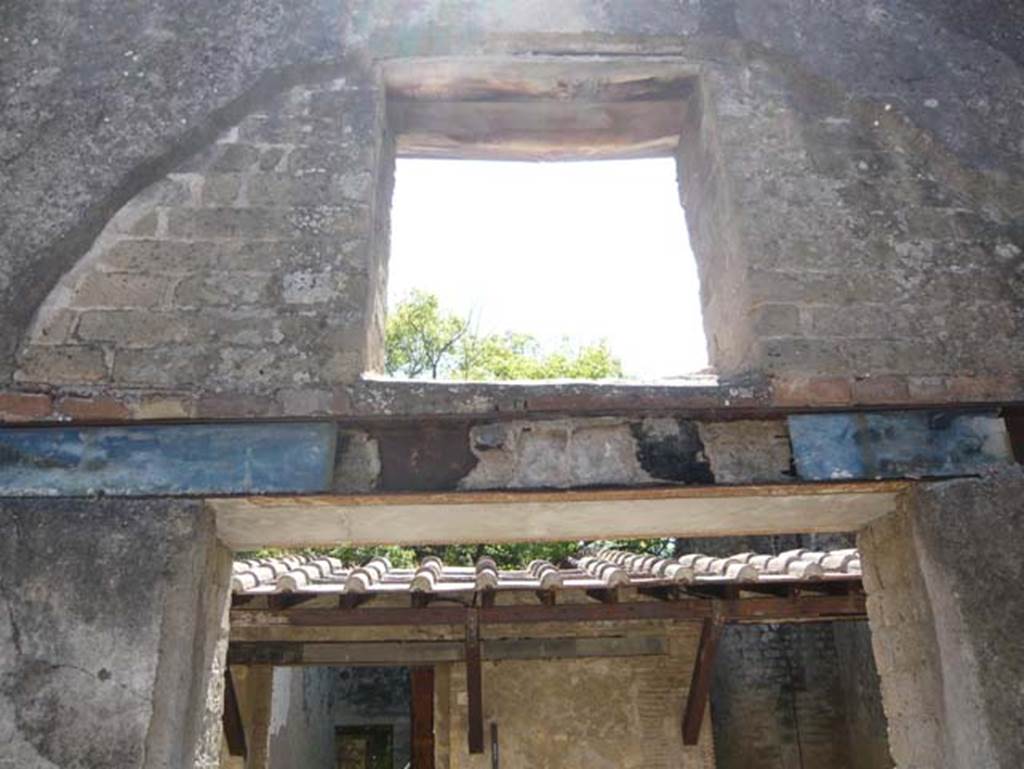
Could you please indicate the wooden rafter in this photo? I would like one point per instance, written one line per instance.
(700, 682)
(474, 682)
(422, 717)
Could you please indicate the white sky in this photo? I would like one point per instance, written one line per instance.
(585, 250)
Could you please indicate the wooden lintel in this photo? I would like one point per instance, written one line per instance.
(700, 681)
(761, 609)
(234, 731)
(474, 683)
(350, 601)
(285, 601)
(661, 592)
(414, 653)
(503, 516)
(604, 595)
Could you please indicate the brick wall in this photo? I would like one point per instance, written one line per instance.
(800, 695)
(842, 250)
(252, 267)
(621, 712)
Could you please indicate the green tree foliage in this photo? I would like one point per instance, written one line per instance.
(423, 340)
(507, 556)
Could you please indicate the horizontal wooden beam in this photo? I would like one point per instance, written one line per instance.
(538, 130)
(768, 609)
(509, 516)
(431, 652)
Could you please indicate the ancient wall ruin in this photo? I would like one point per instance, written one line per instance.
(195, 201)
(837, 208)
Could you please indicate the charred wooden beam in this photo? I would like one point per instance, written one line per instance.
(285, 601)
(474, 683)
(422, 717)
(414, 653)
(604, 595)
(660, 592)
(766, 609)
(700, 681)
(350, 601)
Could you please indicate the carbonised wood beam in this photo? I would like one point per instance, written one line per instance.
(516, 516)
(234, 731)
(291, 653)
(474, 683)
(422, 717)
(762, 609)
(700, 682)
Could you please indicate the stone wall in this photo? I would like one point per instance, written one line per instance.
(943, 625)
(301, 724)
(113, 629)
(250, 267)
(608, 712)
(848, 174)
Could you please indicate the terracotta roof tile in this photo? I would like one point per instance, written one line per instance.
(603, 569)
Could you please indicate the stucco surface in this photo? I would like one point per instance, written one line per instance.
(943, 631)
(111, 634)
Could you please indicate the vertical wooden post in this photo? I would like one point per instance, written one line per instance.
(700, 682)
(234, 731)
(422, 716)
(474, 682)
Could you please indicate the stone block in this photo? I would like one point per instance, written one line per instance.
(24, 407)
(64, 364)
(221, 189)
(357, 465)
(167, 366)
(880, 389)
(225, 289)
(308, 287)
(264, 223)
(233, 158)
(119, 290)
(776, 320)
(132, 328)
(748, 451)
(152, 256)
(811, 391)
(794, 355)
(96, 409)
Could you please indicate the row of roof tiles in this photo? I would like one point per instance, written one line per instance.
(602, 569)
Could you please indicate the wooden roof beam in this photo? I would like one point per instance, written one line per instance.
(700, 681)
